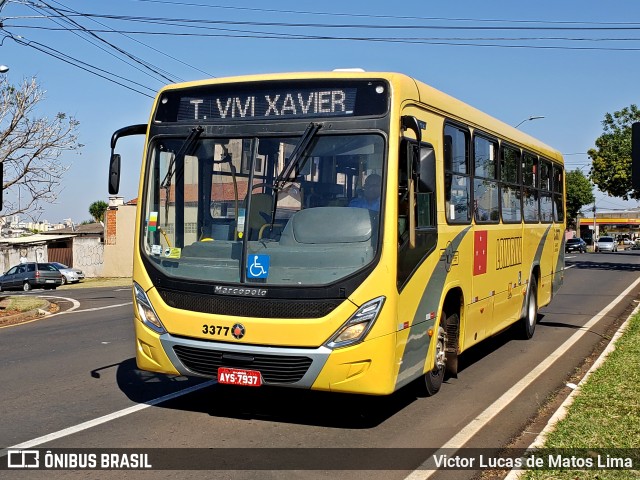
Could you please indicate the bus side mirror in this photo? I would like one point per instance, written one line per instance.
(114, 162)
(410, 122)
(114, 174)
(635, 155)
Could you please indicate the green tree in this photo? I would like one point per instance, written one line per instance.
(97, 209)
(579, 194)
(611, 168)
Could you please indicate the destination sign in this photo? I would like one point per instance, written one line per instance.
(282, 100)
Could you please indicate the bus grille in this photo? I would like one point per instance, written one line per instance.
(274, 368)
(249, 307)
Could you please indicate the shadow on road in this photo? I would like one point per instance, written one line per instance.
(610, 261)
(140, 386)
(285, 405)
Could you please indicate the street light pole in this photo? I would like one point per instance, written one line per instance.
(593, 236)
(533, 117)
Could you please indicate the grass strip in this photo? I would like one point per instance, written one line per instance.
(23, 304)
(605, 413)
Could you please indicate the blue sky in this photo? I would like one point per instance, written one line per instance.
(571, 80)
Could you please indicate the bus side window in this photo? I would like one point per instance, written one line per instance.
(457, 179)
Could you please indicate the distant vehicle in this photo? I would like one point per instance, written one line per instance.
(627, 241)
(31, 275)
(69, 275)
(575, 245)
(606, 244)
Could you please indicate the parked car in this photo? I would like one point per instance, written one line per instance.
(31, 275)
(575, 245)
(606, 244)
(69, 275)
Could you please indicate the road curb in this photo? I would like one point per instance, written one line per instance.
(563, 410)
(18, 318)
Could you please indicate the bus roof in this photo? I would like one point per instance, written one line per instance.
(409, 87)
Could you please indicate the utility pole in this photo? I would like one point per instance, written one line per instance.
(593, 236)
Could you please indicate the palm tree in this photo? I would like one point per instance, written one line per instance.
(97, 209)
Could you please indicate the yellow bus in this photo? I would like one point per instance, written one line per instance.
(341, 231)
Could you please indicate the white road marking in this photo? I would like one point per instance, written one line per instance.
(73, 309)
(104, 419)
(75, 303)
(94, 309)
(564, 408)
(427, 469)
(423, 472)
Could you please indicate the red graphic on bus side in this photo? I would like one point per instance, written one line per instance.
(480, 253)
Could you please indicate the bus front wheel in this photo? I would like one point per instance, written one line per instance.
(431, 381)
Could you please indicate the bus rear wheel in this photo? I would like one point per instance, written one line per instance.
(431, 381)
(528, 322)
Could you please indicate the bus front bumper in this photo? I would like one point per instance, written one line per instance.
(361, 368)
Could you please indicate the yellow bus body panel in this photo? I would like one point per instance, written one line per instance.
(367, 367)
(150, 354)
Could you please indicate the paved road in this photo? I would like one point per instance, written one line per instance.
(75, 367)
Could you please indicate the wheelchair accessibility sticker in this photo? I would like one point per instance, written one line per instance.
(258, 266)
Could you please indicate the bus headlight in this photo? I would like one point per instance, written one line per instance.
(357, 327)
(146, 313)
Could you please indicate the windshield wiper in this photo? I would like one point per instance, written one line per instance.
(297, 155)
(186, 148)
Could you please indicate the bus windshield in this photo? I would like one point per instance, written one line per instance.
(220, 209)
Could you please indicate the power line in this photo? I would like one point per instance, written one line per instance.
(75, 62)
(156, 68)
(493, 39)
(398, 17)
(149, 71)
(617, 27)
(283, 36)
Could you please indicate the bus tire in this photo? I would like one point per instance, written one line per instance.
(453, 332)
(528, 322)
(429, 384)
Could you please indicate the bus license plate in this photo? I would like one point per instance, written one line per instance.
(236, 376)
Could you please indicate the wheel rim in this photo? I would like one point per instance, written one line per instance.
(532, 313)
(440, 354)
(26, 287)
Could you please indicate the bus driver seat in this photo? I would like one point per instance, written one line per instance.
(261, 205)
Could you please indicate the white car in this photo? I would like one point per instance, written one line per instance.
(69, 275)
(606, 244)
